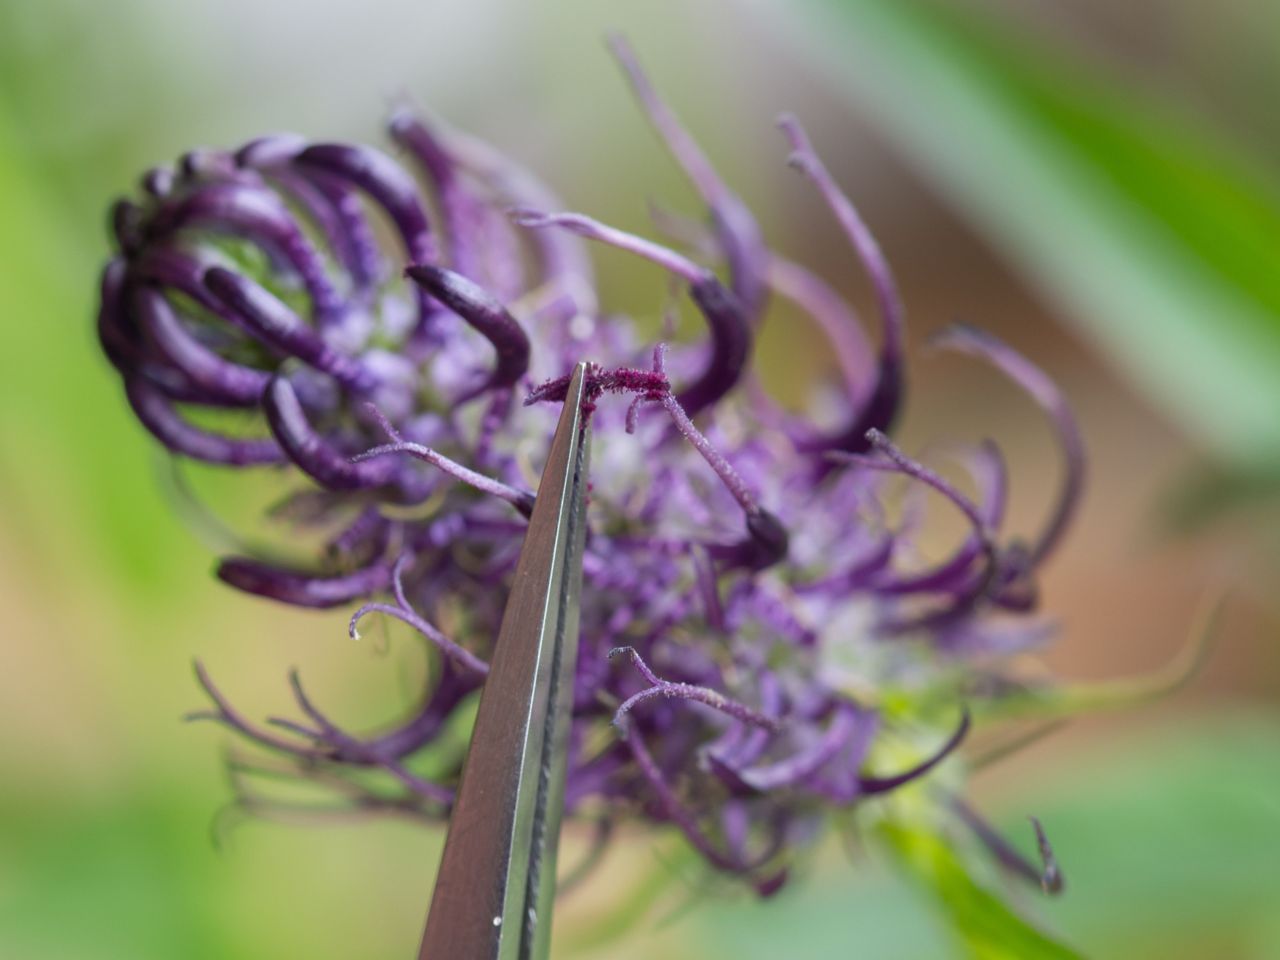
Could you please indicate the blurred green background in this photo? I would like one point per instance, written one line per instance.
(1099, 183)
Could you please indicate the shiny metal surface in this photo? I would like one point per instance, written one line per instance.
(496, 883)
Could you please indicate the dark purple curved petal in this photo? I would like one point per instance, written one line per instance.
(207, 163)
(303, 589)
(730, 345)
(260, 215)
(898, 462)
(118, 338)
(334, 207)
(328, 201)
(280, 327)
(390, 186)
(229, 382)
(168, 267)
(310, 451)
(460, 211)
(158, 416)
(486, 316)
(451, 688)
(354, 234)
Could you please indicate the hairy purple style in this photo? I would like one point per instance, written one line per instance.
(750, 612)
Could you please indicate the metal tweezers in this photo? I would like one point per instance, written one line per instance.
(494, 891)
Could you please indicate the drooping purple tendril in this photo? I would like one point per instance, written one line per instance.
(736, 229)
(881, 404)
(1048, 877)
(730, 333)
(1045, 392)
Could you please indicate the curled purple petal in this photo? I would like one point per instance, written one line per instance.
(282, 328)
(567, 289)
(126, 225)
(119, 342)
(386, 182)
(988, 469)
(273, 150)
(459, 210)
(167, 425)
(221, 378)
(898, 462)
(730, 332)
(260, 215)
(335, 208)
(390, 186)
(303, 589)
(310, 451)
(486, 316)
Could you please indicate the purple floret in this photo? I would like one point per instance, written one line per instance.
(748, 603)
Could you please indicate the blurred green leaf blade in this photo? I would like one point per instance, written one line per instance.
(987, 928)
(1163, 242)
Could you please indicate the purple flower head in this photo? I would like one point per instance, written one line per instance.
(395, 334)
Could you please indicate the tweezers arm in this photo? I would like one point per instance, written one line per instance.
(487, 901)
(542, 879)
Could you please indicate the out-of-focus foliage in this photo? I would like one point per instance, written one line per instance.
(1158, 237)
(1168, 844)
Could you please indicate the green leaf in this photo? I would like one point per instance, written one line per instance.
(1159, 241)
(987, 928)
